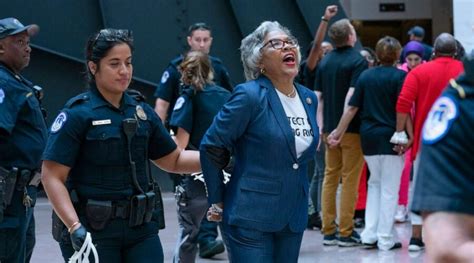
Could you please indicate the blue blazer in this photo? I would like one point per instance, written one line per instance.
(268, 189)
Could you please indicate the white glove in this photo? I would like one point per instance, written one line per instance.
(399, 138)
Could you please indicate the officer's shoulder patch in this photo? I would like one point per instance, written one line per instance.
(179, 103)
(165, 77)
(59, 122)
(77, 100)
(2, 95)
(440, 119)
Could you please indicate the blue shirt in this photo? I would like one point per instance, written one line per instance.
(88, 137)
(23, 131)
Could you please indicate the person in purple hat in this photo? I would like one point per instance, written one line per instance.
(413, 53)
(23, 134)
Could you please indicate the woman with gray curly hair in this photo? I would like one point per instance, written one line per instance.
(268, 125)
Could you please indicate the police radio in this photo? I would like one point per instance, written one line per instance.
(142, 204)
(130, 129)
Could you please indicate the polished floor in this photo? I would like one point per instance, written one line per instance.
(312, 250)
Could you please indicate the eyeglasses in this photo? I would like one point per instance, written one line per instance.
(113, 35)
(280, 43)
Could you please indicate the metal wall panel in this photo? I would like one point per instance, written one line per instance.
(312, 13)
(160, 26)
(160, 29)
(65, 25)
(250, 13)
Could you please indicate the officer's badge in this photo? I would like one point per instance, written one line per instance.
(439, 120)
(2, 96)
(141, 113)
(165, 77)
(309, 101)
(179, 103)
(59, 122)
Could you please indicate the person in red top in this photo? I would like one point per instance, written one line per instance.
(421, 88)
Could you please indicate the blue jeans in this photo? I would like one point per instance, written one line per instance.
(249, 245)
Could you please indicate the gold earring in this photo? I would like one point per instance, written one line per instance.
(262, 70)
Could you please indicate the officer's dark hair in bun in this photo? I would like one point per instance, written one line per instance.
(101, 42)
(198, 26)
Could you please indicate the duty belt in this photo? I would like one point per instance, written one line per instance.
(120, 209)
(22, 177)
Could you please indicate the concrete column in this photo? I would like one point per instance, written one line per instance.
(463, 12)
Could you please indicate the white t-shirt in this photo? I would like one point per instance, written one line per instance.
(298, 120)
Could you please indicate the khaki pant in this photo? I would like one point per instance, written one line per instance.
(345, 160)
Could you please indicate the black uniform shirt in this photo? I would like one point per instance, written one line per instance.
(169, 87)
(446, 175)
(23, 131)
(88, 136)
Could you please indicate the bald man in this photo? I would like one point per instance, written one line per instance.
(421, 88)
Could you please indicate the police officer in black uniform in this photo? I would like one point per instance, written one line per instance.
(170, 87)
(199, 39)
(96, 163)
(23, 135)
(444, 191)
(192, 115)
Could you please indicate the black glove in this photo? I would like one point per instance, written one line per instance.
(220, 157)
(78, 237)
(230, 166)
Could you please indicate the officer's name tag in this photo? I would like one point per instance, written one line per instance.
(101, 122)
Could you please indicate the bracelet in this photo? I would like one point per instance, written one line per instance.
(324, 19)
(72, 226)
